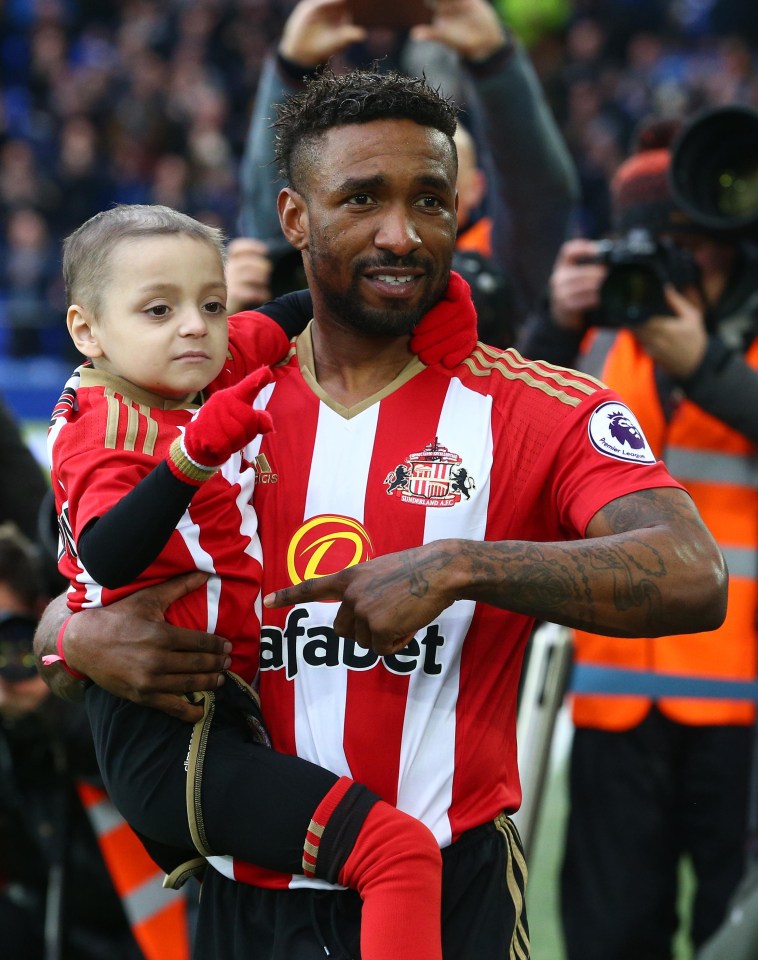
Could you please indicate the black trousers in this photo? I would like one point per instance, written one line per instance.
(257, 803)
(639, 800)
(483, 911)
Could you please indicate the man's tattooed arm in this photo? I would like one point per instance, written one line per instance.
(648, 567)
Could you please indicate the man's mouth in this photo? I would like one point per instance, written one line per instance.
(387, 278)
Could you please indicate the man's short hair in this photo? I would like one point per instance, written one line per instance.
(330, 100)
(87, 251)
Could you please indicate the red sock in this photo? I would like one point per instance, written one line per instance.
(396, 866)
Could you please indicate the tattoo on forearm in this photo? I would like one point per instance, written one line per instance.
(622, 568)
(584, 582)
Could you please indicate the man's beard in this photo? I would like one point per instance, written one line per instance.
(398, 318)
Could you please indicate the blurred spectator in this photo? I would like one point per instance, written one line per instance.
(85, 184)
(21, 180)
(56, 897)
(30, 277)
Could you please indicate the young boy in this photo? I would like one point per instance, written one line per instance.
(153, 466)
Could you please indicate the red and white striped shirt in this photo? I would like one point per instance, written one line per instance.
(498, 449)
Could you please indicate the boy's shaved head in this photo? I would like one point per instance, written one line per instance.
(87, 251)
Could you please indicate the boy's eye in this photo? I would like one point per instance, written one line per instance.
(159, 310)
(215, 307)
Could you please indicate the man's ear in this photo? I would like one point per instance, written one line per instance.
(79, 323)
(293, 216)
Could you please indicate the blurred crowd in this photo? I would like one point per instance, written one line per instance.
(127, 102)
(147, 101)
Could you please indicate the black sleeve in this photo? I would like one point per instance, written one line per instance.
(726, 387)
(292, 311)
(118, 546)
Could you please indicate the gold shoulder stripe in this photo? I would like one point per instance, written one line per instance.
(577, 378)
(111, 426)
(117, 408)
(151, 430)
(132, 426)
(485, 361)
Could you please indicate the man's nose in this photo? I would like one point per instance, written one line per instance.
(397, 231)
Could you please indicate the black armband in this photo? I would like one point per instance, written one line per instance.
(117, 547)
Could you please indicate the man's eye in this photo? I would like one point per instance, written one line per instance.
(429, 203)
(360, 199)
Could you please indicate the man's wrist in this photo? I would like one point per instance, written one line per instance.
(490, 60)
(294, 72)
(59, 657)
(716, 356)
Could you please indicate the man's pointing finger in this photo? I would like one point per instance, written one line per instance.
(331, 587)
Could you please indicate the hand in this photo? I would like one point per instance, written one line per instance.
(676, 343)
(470, 27)
(384, 601)
(447, 333)
(128, 649)
(248, 273)
(575, 284)
(316, 30)
(226, 422)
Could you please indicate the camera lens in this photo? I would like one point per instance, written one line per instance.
(630, 294)
(737, 189)
(714, 169)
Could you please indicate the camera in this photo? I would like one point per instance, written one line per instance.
(714, 171)
(713, 178)
(638, 267)
(16, 653)
(493, 294)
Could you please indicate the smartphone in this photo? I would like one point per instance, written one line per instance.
(395, 14)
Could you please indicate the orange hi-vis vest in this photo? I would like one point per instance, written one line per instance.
(719, 468)
(477, 237)
(157, 916)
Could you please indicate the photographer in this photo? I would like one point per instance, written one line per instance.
(48, 854)
(669, 318)
(58, 898)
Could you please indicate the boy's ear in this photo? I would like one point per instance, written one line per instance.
(79, 323)
(293, 216)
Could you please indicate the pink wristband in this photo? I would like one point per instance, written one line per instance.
(60, 658)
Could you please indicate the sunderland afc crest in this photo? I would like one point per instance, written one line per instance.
(434, 477)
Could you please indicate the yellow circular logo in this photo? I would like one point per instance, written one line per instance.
(327, 544)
